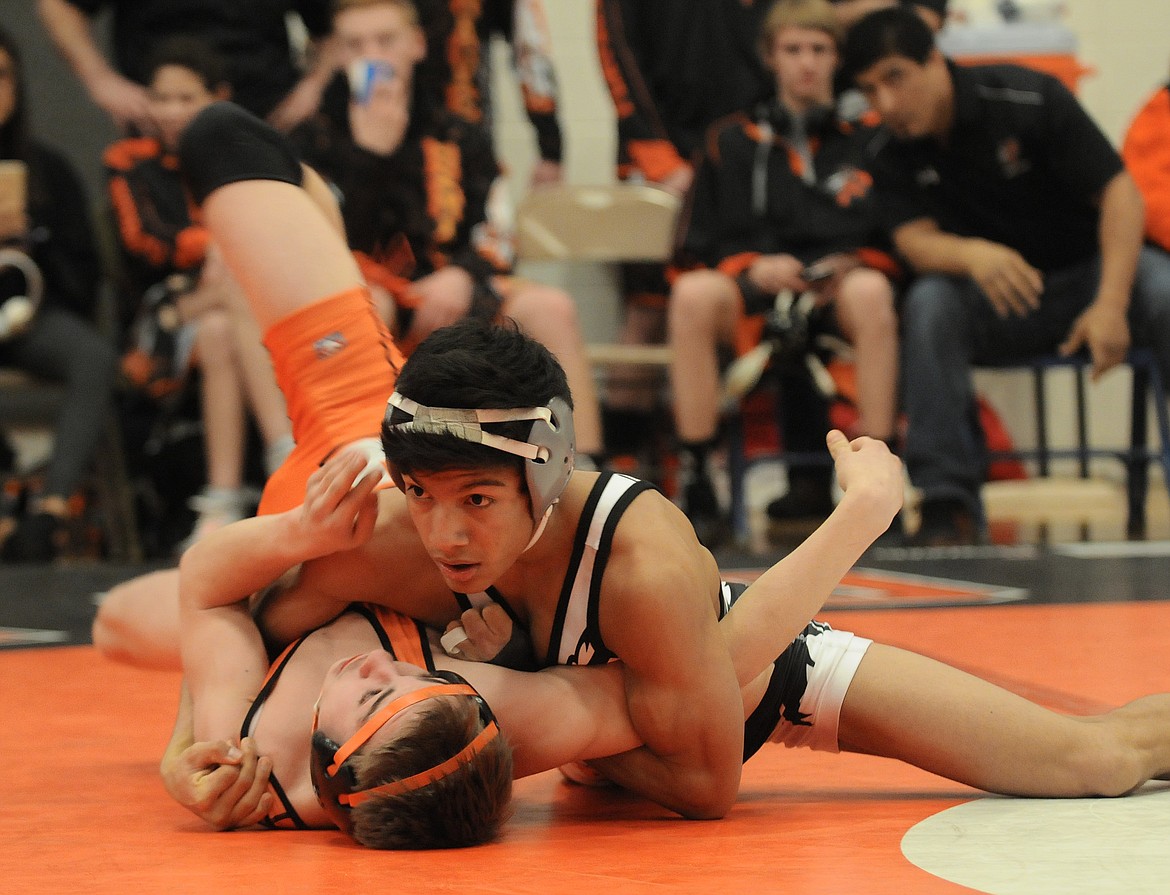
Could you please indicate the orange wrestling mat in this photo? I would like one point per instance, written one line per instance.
(85, 812)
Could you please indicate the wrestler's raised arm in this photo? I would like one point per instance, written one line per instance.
(223, 655)
(780, 602)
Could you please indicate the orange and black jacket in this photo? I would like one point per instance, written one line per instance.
(750, 196)
(459, 34)
(1146, 152)
(418, 209)
(159, 228)
(673, 68)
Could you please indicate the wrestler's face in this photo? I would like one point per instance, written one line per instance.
(177, 95)
(384, 32)
(803, 60)
(355, 688)
(913, 99)
(474, 523)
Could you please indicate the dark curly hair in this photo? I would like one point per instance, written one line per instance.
(474, 365)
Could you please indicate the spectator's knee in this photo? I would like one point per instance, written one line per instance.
(214, 338)
(696, 298)
(558, 305)
(866, 301)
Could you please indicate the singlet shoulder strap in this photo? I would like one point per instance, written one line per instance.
(576, 621)
(403, 637)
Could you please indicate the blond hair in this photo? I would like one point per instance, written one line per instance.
(407, 6)
(815, 14)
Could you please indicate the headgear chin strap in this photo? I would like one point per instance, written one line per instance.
(335, 778)
(548, 451)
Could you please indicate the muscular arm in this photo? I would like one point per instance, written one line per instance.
(680, 703)
(391, 569)
(223, 654)
(778, 604)
(658, 613)
(589, 703)
(221, 783)
(556, 715)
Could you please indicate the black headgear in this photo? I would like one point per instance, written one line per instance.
(548, 451)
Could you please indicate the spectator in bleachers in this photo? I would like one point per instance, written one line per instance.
(779, 191)
(465, 67)
(46, 216)
(933, 12)
(673, 68)
(1018, 214)
(1146, 151)
(263, 66)
(200, 312)
(416, 185)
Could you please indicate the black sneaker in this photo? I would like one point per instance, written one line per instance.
(894, 536)
(947, 523)
(712, 525)
(793, 516)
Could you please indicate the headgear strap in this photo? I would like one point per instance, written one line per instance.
(424, 778)
(468, 424)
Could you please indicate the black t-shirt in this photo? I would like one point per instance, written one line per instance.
(1023, 166)
(250, 34)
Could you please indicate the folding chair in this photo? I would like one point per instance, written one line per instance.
(600, 224)
(1136, 457)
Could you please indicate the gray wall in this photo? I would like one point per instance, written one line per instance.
(60, 110)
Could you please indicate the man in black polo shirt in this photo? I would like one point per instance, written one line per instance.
(1027, 232)
(253, 37)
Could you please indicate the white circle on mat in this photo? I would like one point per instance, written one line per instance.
(1008, 846)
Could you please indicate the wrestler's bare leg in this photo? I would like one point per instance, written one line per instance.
(138, 622)
(284, 245)
(279, 243)
(906, 706)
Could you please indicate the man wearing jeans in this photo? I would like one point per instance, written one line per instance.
(1025, 229)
